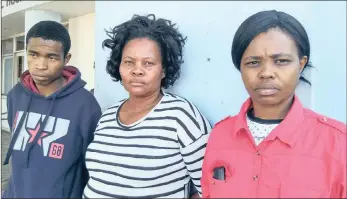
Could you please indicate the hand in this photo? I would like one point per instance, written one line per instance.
(196, 195)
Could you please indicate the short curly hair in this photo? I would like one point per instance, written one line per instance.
(50, 30)
(162, 31)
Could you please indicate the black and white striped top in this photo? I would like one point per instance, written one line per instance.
(155, 157)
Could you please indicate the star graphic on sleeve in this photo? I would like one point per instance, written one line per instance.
(33, 133)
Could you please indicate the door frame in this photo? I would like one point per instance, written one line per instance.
(15, 71)
(3, 71)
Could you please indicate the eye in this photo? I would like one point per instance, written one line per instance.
(252, 63)
(147, 63)
(53, 58)
(128, 62)
(282, 61)
(32, 55)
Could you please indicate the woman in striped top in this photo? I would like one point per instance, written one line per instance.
(152, 144)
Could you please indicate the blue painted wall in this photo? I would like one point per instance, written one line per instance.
(215, 86)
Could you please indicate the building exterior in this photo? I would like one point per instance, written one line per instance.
(208, 76)
(19, 16)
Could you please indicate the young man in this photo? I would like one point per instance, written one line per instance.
(52, 119)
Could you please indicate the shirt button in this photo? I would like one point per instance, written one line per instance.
(255, 177)
(258, 153)
(325, 119)
(213, 183)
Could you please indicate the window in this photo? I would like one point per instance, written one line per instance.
(20, 43)
(66, 25)
(7, 74)
(7, 46)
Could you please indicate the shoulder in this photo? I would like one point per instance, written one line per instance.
(88, 100)
(220, 132)
(326, 122)
(225, 123)
(176, 102)
(15, 90)
(331, 132)
(86, 95)
(113, 108)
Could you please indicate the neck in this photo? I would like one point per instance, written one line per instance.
(49, 89)
(143, 102)
(273, 112)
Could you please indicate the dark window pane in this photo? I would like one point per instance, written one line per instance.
(7, 46)
(20, 43)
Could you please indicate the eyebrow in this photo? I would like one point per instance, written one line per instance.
(142, 58)
(53, 55)
(32, 51)
(273, 56)
(49, 54)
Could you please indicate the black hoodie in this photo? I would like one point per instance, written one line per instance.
(48, 152)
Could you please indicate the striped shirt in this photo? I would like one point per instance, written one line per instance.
(155, 157)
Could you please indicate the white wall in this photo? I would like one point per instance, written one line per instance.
(82, 33)
(329, 54)
(215, 86)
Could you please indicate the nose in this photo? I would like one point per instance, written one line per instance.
(138, 71)
(267, 72)
(41, 64)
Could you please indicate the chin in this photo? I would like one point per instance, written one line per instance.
(137, 92)
(266, 100)
(41, 81)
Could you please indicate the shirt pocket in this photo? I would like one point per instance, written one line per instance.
(308, 177)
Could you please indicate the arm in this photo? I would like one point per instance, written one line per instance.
(339, 169)
(204, 178)
(8, 192)
(343, 184)
(193, 136)
(9, 111)
(343, 168)
(88, 129)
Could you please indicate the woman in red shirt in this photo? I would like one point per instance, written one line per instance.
(274, 147)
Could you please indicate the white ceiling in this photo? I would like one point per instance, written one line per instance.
(13, 24)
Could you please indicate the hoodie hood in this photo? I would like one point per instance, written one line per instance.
(70, 73)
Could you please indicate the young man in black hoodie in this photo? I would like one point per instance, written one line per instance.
(52, 119)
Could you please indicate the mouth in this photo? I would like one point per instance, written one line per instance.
(137, 83)
(266, 90)
(39, 76)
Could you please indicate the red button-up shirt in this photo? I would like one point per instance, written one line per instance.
(304, 156)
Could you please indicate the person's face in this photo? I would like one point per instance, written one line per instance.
(271, 67)
(45, 60)
(141, 67)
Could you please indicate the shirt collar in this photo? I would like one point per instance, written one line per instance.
(285, 131)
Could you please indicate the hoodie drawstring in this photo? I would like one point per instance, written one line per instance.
(39, 133)
(37, 137)
(16, 133)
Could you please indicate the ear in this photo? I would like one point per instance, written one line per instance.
(303, 62)
(163, 74)
(67, 59)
